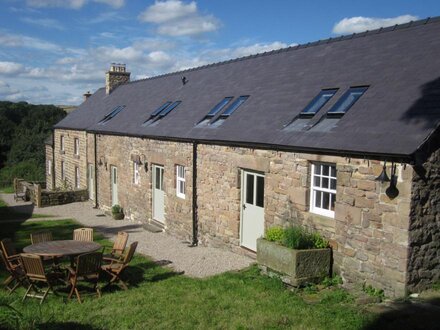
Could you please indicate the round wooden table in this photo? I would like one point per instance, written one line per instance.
(67, 248)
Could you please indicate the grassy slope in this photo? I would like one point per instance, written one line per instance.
(160, 298)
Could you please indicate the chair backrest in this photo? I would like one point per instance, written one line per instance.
(83, 234)
(8, 247)
(41, 236)
(130, 253)
(5, 262)
(33, 266)
(88, 263)
(120, 242)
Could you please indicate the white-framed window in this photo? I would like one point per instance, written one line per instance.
(323, 189)
(77, 182)
(76, 147)
(63, 172)
(180, 181)
(49, 167)
(62, 142)
(136, 175)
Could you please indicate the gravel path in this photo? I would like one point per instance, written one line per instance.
(193, 261)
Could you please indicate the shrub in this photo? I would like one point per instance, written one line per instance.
(275, 234)
(296, 237)
(116, 209)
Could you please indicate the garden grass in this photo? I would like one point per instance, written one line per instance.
(159, 298)
(7, 190)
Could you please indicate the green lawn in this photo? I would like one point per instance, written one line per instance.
(159, 298)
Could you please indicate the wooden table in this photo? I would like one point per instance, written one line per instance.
(67, 248)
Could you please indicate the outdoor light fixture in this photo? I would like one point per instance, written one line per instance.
(392, 191)
(102, 161)
(383, 177)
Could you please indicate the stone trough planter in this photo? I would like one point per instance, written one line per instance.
(297, 267)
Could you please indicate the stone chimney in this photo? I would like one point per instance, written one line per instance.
(87, 95)
(116, 76)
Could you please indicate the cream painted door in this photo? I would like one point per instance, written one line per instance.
(158, 194)
(252, 209)
(91, 181)
(114, 184)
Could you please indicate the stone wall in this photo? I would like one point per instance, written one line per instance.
(52, 198)
(369, 232)
(70, 159)
(136, 199)
(424, 237)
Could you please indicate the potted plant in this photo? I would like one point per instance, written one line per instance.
(117, 212)
(300, 256)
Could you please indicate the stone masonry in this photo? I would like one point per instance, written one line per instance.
(369, 233)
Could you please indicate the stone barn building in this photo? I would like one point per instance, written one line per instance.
(339, 136)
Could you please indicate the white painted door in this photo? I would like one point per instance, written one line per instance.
(114, 184)
(252, 209)
(158, 194)
(91, 181)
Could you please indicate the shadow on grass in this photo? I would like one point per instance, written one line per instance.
(18, 212)
(407, 315)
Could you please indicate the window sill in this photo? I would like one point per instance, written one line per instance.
(180, 196)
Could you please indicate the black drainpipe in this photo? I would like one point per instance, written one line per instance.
(194, 196)
(96, 173)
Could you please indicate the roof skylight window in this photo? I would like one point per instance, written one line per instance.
(161, 112)
(347, 100)
(111, 115)
(301, 121)
(205, 121)
(234, 106)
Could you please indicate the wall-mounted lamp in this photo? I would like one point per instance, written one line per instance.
(102, 161)
(392, 191)
(144, 161)
(383, 177)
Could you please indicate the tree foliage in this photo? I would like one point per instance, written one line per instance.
(23, 129)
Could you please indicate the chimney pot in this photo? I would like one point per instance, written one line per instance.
(117, 75)
(87, 95)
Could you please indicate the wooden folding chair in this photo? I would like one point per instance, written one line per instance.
(115, 267)
(41, 236)
(118, 246)
(16, 277)
(88, 266)
(36, 274)
(83, 234)
(9, 251)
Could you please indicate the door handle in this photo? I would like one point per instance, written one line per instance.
(244, 207)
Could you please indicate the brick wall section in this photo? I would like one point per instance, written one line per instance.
(137, 199)
(424, 238)
(369, 233)
(70, 160)
(49, 177)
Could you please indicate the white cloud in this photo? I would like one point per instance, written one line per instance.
(44, 22)
(72, 4)
(361, 24)
(112, 54)
(18, 40)
(165, 11)
(176, 18)
(8, 93)
(8, 68)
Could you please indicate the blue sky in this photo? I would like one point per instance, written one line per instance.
(52, 51)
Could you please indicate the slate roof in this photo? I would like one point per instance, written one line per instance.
(395, 116)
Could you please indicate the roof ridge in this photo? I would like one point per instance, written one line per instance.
(344, 37)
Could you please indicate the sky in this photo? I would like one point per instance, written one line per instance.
(53, 51)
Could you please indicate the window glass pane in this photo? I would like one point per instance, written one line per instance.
(325, 170)
(317, 181)
(161, 179)
(347, 100)
(332, 204)
(317, 169)
(234, 106)
(333, 171)
(260, 191)
(249, 189)
(166, 111)
(326, 200)
(182, 187)
(319, 101)
(333, 184)
(158, 110)
(318, 198)
(219, 106)
(157, 183)
(324, 183)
